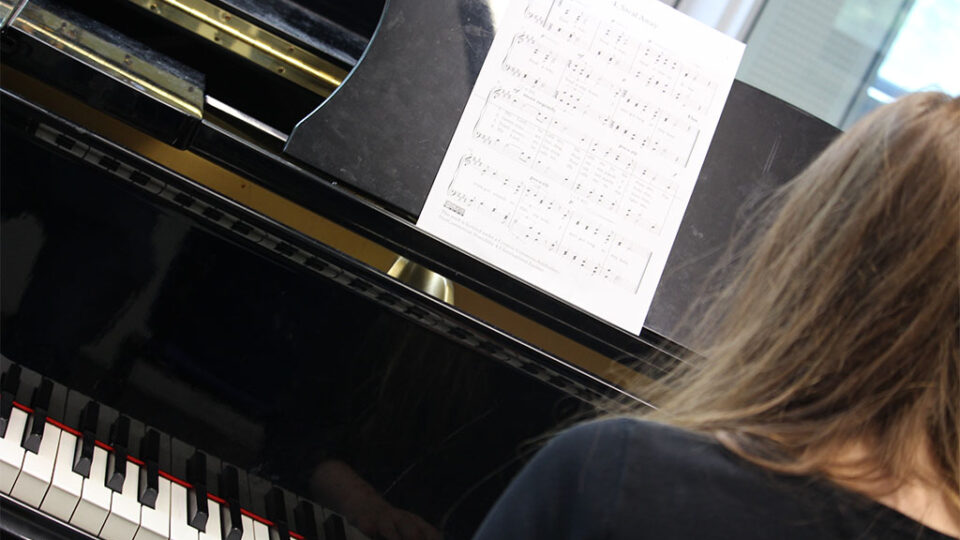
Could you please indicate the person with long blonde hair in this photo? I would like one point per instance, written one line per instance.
(825, 398)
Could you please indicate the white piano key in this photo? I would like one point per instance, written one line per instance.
(124, 518)
(94, 504)
(179, 528)
(248, 525)
(66, 485)
(213, 531)
(155, 522)
(11, 453)
(37, 470)
(260, 531)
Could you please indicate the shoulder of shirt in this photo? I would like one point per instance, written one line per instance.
(644, 452)
(649, 459)
(637, 433)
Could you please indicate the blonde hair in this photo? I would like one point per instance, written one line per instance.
(843, 323)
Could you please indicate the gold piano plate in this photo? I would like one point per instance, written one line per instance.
(423, 280)
(248, 40)
(120, 63)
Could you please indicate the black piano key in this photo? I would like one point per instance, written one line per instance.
(9, 383)
(29, 381)
(231, 522)
(276, 506)
(116, 469)
(333, 528)
(305, 521)
(83, 456)
(34, 433)
(40, 403)
(149, 486)
(117, 460)
(6, 407)
(198, 511)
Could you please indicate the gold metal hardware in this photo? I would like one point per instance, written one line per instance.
(6, 8)
(90, 49)
(248, 40)
(422, 279)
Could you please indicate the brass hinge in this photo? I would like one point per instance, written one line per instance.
(248, 40)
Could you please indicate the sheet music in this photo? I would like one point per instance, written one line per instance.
(580, 145)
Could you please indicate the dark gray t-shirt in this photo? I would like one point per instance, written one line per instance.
(625, 478)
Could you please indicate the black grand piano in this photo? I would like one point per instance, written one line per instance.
(218, 317)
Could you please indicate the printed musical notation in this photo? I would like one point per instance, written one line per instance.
(580, 145)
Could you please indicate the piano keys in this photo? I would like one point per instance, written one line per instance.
(43, 477)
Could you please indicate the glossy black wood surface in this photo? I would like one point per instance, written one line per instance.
(191, 331)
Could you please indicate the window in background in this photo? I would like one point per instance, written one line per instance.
(923, 55)
(838, 59)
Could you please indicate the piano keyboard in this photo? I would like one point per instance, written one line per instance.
(93, 472)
